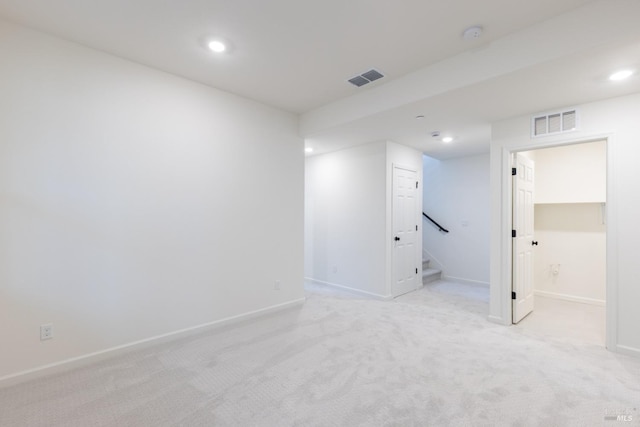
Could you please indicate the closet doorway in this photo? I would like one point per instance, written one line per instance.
(569, 261)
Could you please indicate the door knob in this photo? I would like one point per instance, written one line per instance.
(534, 243)
(396, 238)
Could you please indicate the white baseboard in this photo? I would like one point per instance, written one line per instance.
(495, 319)
(352, 290)
(76, 362)
(466, 281)
(629, 351)
(572, 298)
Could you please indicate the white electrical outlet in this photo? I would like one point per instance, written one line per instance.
(335, 269)
(276, 285)
(46, 331)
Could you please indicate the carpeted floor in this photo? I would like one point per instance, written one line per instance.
(429, 358)
(559, 319)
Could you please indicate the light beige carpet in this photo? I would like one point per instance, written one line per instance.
(429, 358)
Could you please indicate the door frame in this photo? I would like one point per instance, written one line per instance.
(506, 244)
(390, 235)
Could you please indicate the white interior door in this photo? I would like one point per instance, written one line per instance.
(405, 231)
(523, 242)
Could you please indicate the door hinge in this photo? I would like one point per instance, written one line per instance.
(416, 228)
(416, 184)
(416, 271)
(513, 233)
(513, 295)
(513, 171)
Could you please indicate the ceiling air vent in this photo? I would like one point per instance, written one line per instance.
(364, 78)
(556, 122)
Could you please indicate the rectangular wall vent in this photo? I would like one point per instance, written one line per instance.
(556, 122)
(569, 121)
(365, 78)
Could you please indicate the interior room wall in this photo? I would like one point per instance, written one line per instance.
(348, 215)
(574, 173)
(570, 260)
(134, 203)
(456, 195)
(345, 218)
(616, 119)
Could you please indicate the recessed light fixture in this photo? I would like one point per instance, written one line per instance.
(308, 150)
(435, 133)
(620, 75)
(217, 46)
(420, 117)
(447, 139)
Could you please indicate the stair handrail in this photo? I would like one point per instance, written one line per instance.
(441, 228)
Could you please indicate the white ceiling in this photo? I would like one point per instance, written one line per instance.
(298, 54)
(467, 113)
(562, 61)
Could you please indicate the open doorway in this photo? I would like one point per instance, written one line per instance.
(567, 272)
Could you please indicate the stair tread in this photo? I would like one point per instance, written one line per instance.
(431, 275)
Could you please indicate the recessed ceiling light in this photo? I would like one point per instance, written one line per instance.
(217, 46)
(447, 139)
(308, 150)
(420, 117)
(620, 75)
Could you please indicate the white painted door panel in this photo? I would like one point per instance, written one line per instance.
(523, 208)
(405, 221)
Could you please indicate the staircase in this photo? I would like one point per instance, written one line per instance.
(429, 274)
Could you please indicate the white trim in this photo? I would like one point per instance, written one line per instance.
(466, 281)
(611, 224)
(506, 251)
(623, 349)
(495, 319)
(86, 359)
(352, 290)
(572, 298)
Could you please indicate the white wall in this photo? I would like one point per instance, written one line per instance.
(348, 215)
(570, 189)
(572, 243)
(345, 218)
(456, 195)
(134, 203)
(572, 174)
(615, 119)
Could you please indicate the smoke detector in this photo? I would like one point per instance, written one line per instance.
(472, 33)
